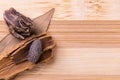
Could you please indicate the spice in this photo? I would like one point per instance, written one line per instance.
(19, 25)
(35, 51)
(14, 52)
(32, 50)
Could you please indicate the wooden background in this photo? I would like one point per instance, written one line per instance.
(66, 9)
(86, 50)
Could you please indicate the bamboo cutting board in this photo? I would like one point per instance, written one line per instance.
(86, 50)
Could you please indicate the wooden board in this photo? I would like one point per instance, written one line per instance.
(66, 9)
(86, 50)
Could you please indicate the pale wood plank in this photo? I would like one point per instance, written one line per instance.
(85, 52)
(88, 50)
(66, 9)
(71, 77)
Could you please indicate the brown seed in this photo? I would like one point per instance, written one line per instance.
(35, 51)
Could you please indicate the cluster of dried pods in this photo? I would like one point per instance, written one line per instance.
(26, 46)
(20, 27)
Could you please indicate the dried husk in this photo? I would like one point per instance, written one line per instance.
(9, 68)
(47, 42)
(19, 25)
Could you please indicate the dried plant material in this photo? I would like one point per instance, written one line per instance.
(19, 25)
(10, 68)
(43, 22)
(22, 52)
(35, 51)
(13, 69)
(14, 52)
(41, 25)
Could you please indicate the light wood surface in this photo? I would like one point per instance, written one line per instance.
(66, 9)
(86, 50)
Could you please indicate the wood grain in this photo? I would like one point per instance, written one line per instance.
(66, 9)
(86, 50)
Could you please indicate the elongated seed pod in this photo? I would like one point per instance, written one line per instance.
(35, 51)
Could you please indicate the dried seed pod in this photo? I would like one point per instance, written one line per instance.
(19, 25)
(35, 51)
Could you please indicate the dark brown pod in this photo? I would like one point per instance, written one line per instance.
(35, 51)
(19, 25)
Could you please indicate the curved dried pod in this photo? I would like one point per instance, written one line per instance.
(15, 45)
(18, 61)
(47, 43)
